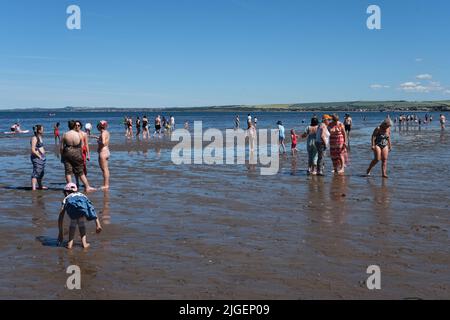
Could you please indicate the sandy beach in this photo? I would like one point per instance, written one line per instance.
(226, 232)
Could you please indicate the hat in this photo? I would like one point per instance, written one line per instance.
(71, 187)
(326, 117)
(102, 124)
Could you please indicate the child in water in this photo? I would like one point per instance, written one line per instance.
(78, 208)
(294, 138)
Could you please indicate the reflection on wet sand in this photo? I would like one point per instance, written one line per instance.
(105, 215)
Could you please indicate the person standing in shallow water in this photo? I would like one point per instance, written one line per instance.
(281, 136)
(322, 141)
(145, 133)
(381, 146)
(338, 144)
(72, 157)
(138, 127)
(56, 133)
(348, 123)
(311, 135)
(103, 152)
(442, 120)
(37, 158)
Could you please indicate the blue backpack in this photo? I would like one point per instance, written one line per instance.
(78, 205)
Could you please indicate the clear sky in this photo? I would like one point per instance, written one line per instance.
(148, 53)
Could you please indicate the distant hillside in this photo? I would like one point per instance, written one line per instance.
(320, 107)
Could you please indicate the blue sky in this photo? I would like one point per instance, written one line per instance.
(144, 53)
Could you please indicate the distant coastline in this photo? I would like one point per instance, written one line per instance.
(353, 106)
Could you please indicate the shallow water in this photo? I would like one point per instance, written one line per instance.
(200, 232)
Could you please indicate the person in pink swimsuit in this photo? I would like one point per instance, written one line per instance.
(103, 152)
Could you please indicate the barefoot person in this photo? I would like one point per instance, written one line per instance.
(322, 142)
(72, 156)
(338, 144)
(103, 152)
(138, 127)
(281, 135)
(37, 158)
(311, 135)
(381, 146)
(79, 208)
(56, 133)
(85, 145)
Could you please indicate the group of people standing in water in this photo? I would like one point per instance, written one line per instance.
(330, 133)
(74, 151)
(162, 124)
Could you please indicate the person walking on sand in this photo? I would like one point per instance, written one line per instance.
(72, 156)
(442, 120)
(381, 146)
(103, 152)
(294, 138)
(311, 135)
(37, 158)
(79, 208)
(281, 136)
(338, 144)
(56, 133)
(145, 133)
(322, 142)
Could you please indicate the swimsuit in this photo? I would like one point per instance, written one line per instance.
(381, 140)
(294, 141)
(73, 159)
(103, 151)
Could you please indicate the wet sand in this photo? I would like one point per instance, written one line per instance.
(225, 232)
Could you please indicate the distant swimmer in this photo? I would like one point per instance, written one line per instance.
(442, 120)
(381, 146)
(37, 158)
(255, 121)
(79, 209)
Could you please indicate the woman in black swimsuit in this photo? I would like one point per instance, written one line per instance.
(381, 146)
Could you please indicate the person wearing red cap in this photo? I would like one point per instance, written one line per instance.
(79, 208)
